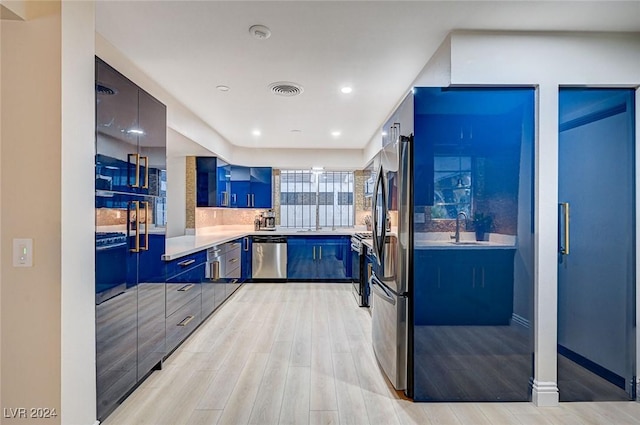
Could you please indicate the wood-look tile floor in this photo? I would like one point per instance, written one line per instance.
(300, 353)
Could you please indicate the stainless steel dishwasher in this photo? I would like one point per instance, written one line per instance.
(269, 257)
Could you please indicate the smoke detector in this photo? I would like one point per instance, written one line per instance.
(260, 32)
(285, 88)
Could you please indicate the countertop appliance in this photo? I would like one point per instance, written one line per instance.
(389, 279)
(268, 220)
(358, 266)
(269, 257)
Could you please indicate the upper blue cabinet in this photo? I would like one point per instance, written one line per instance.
(206, 182)
(224, 185)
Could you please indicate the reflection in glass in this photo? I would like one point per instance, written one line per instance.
(473, 304)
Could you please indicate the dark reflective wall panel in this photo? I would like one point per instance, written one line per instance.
(473, 244)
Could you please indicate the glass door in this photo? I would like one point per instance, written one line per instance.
(596, 267)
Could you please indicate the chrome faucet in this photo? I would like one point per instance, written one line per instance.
(457, 235)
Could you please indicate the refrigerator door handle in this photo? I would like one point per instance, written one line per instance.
(379, 289)
(378, 239)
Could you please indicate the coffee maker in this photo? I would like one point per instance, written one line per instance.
(268, 220)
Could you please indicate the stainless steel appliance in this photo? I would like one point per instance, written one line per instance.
(268, 220)
(389, 280)
(269, 257)
(358, 266)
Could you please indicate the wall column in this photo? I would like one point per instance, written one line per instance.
(545, 387)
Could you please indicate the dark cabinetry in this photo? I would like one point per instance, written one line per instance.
(224, 185)
(207, 182)
(318, 257)
(464, 287)
(130, 204)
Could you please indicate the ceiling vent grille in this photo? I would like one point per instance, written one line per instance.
(287, 89)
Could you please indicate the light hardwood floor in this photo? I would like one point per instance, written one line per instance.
(300, 353)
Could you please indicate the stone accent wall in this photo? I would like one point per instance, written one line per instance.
(190, 193)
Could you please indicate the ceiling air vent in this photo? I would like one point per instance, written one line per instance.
(283, 88)
(102, 89)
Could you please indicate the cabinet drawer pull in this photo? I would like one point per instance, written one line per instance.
(186, 288)
(246, 244)
(234, 260)
(186, 263)
(186, 320)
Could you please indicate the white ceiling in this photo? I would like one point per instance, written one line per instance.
(377, 47)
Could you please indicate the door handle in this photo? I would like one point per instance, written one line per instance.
(320, 249)
(146, 226)
(136, 180)
(253, 200)
(136, 247)
(564, 247)
(145, 185)
(248, 199)
(246, 244)
(377, 287)
(314, 252)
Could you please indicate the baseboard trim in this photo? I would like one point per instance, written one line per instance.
(544, 394)
(592, 366)
(521, 321)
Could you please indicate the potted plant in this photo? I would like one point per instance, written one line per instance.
(482, 225)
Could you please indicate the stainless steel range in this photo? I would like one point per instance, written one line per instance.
(358, 260)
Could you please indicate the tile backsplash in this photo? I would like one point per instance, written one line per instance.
(208, 217)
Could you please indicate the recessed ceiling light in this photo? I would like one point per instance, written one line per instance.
(260, 32)
(317, 168)
(256, 132)
(335, 133)
(384, 133)
(223, 88)
(346, 90)
(135, 131)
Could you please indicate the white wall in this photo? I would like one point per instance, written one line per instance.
(546, 60)
(31, 186)
(78, 384)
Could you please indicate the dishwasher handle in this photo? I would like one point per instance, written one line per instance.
(269, 239)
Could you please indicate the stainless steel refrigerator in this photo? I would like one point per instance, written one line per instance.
(389, 280)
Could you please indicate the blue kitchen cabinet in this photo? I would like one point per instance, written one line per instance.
(261, 187)
(463, 287)
(318, 258)
(240, 186)
(300, 258)
(223, 187)
(206, 182)
(251, 187)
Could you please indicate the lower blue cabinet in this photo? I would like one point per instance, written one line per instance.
(463, 287)
(318, 258)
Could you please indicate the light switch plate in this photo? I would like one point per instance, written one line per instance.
(22, 252)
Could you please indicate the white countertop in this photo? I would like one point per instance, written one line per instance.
(442, 240)
(180, 246)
